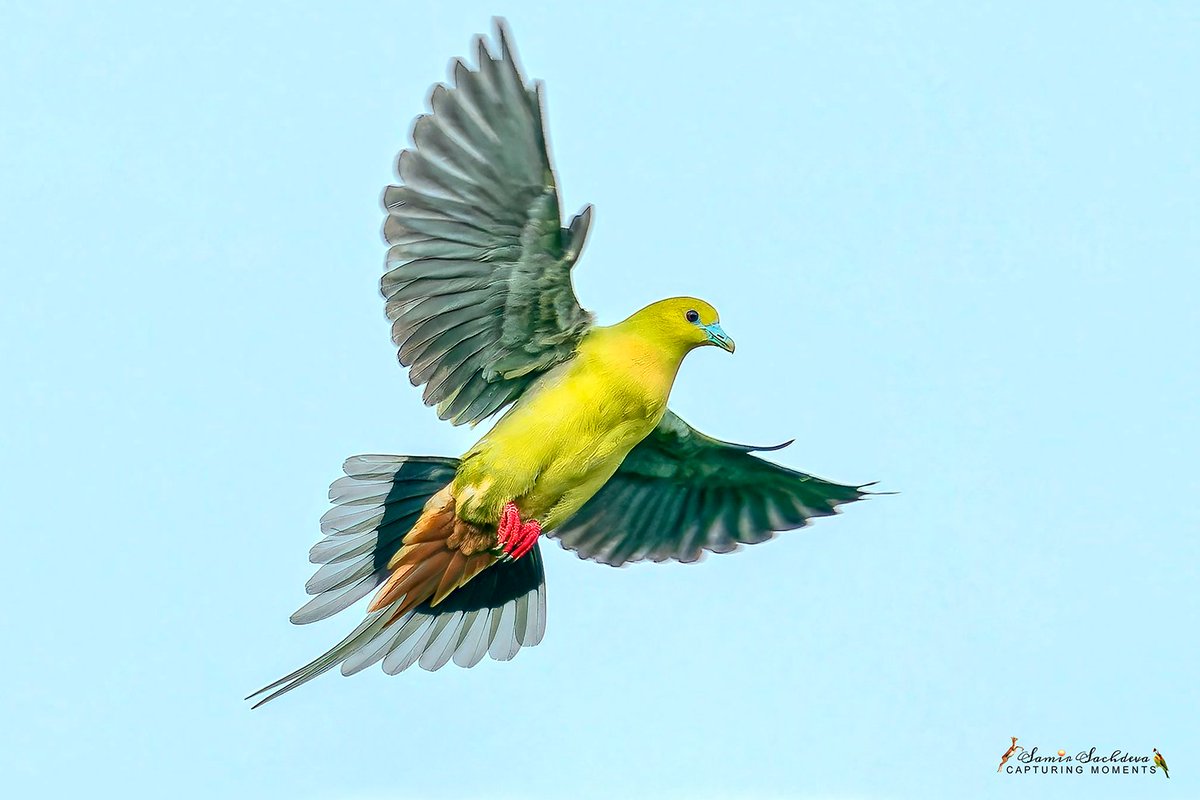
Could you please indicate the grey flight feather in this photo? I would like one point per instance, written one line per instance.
(478, 282)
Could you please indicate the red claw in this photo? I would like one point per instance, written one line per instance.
(514, 537)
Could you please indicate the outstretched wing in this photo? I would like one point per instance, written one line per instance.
(478, 280)
(679, 493)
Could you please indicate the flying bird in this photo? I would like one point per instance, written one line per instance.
(478, 289)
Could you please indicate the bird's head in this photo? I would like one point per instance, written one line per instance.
(684, 323)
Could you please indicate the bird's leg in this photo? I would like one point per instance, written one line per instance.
(516, 538)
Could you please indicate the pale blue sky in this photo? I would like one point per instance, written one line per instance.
(958, 250)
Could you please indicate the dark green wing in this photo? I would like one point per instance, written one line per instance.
(679, 493)
(478, 281)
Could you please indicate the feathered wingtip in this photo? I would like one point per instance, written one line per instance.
(504, 36)
(501, 35)
(865, 494)
(577, 233)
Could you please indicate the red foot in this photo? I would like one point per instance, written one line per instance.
(516, 538)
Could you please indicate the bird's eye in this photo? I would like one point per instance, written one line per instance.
(692, 316)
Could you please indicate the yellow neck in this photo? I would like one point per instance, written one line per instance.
(645, 331)
(642, 349)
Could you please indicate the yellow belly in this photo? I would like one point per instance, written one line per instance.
(565, 437)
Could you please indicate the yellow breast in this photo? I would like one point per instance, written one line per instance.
(569, 432)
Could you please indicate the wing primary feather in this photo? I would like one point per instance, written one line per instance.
(478, 193)
(463, 358)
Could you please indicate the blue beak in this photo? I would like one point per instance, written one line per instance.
(718, 337)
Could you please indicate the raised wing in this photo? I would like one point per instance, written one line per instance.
(679, 493)
(478, 282)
